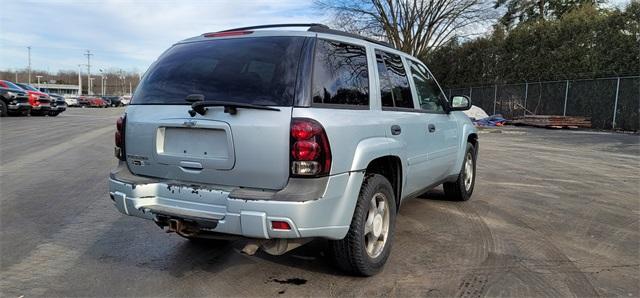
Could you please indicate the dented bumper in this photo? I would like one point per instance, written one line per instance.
(320, 207)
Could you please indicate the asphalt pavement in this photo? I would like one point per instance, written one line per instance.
(554, 213)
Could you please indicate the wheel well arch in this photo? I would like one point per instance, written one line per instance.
(473, 139)
(390, 167)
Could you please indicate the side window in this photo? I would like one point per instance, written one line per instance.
(429, 95)
(394, 84)
(385, 82)
(340, 74)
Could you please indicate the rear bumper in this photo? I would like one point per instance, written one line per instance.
(326, 214)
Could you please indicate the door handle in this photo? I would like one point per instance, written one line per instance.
(431, 127)
(396, 130)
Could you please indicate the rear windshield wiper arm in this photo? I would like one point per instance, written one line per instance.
(230, 107)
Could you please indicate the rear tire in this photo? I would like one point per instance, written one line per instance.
(367, 245)
(3, 109)
(53, 114)
(462, 188)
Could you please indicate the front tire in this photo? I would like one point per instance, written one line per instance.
(462, 188)
(367, 245)
(3, 109)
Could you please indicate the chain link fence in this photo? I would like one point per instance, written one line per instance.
(611, 103)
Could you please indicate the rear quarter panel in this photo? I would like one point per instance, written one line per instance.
(356, 136)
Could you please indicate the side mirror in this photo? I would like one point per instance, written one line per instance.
(460, 103)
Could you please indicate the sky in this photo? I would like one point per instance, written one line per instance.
(126, 35)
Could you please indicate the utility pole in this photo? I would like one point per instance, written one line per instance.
(90, 83)
(79, 79)
(88, 54)
(101, 82)
(129, 88)
(122, 79)
(29, 54)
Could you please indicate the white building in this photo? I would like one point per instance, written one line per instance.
(61, 89)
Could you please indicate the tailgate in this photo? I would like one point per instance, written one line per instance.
(248, 149)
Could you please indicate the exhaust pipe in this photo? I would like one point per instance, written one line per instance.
(274, 247)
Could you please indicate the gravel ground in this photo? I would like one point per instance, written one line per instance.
(554, 213)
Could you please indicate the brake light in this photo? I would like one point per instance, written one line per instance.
(119, 138)
(228, 33)
(280, 225)
(310, 150)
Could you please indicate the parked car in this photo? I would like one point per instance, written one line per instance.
(97, 102)
(287, 136)
(93, 102)
(40, 101)
(58, 104)
(14, 101)
(114, 101)
(83, 101)
(106, 100)
(71, 101)
(125, 100)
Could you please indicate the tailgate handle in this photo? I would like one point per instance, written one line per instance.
(191, 165)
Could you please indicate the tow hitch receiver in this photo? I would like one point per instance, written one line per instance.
(182, 227)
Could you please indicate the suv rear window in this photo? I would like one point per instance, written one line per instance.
(259, 70)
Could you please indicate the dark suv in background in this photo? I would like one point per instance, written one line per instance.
(58, 105)
(113, 101)
(14, 100)
(40, 101)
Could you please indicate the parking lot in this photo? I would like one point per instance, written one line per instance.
(554, 213)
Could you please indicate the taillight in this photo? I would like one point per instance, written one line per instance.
(310, 150)
(280, 225)
(119, 138)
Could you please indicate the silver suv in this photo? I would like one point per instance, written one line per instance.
(282, 136)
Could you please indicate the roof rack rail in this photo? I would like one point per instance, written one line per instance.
(314, 27)
(325, 29)
(277, 26)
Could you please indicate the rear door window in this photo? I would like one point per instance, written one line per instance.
(340, 74)
(394, 85)
(260, 70)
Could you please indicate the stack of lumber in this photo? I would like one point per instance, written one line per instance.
(550, 121)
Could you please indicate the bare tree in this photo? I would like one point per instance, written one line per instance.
(413, 26)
